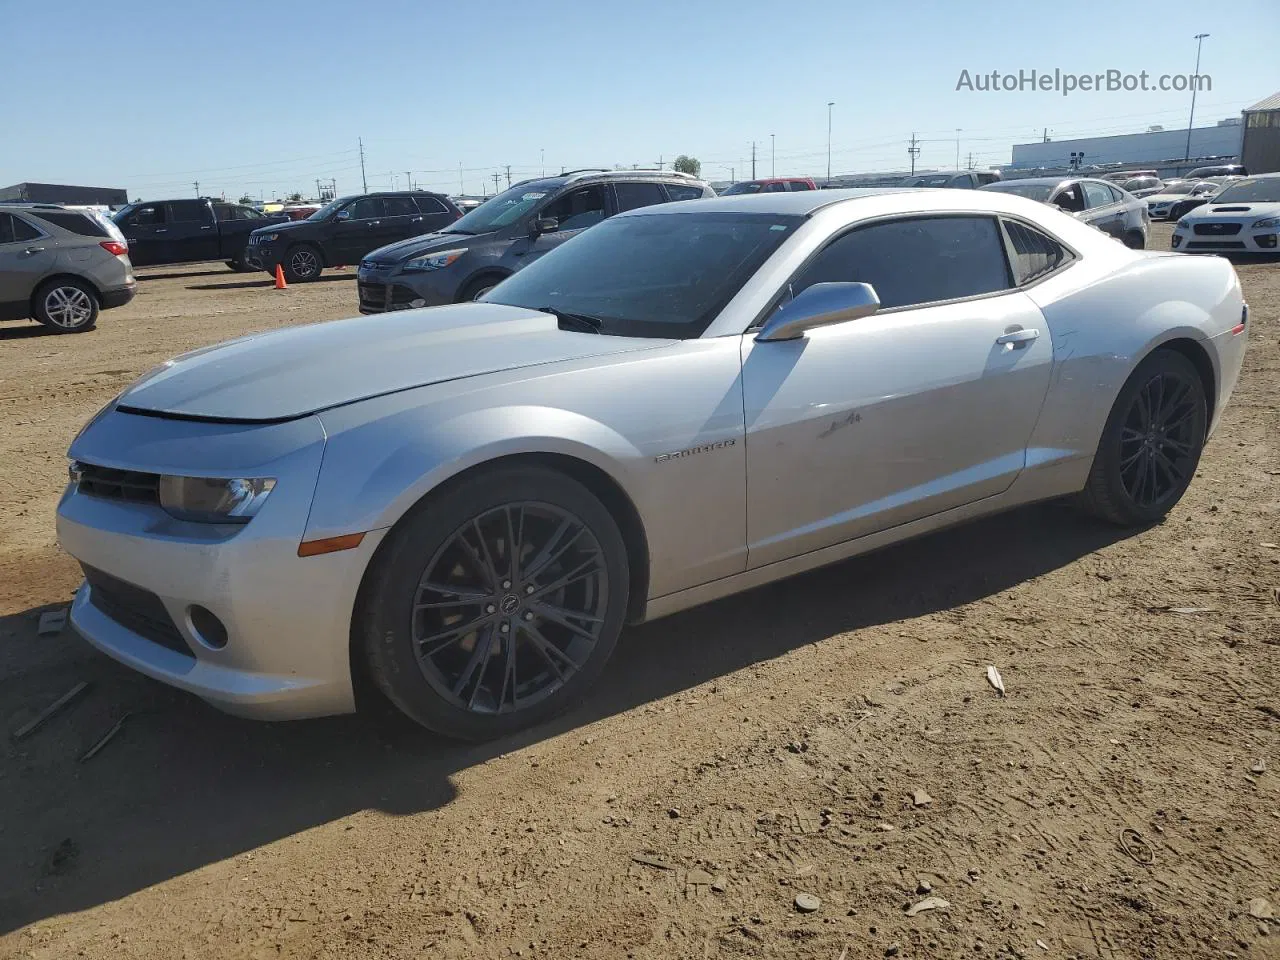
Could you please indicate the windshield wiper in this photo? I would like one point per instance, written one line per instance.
(580, 320)
(469, 233)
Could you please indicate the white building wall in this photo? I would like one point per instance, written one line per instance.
(1132, 148)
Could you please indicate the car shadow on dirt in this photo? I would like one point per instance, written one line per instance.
(246, 284)
(182, 786)
(33, 329)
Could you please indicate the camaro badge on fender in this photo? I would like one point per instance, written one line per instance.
(719, 444)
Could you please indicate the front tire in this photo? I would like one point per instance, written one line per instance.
(495, 604)
(67, 306)
(302, 263)
(1151, 444)
(478, 288)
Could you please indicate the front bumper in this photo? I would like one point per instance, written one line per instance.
(384, 289)
(262, 257)
(287, 619)
(1266, 240)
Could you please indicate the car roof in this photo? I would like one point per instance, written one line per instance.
(799, 204)
(1039, 180)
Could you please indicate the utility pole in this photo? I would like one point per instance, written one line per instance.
(773, 157)
(970, 166)
(1046, 135)
(957, 166)
(830, 104)
(508, 174)
(753, 159)
(1194, 83)
(495, 181)
(363, 180)
(408, 179)
(317, 188)
(197, 186)
(732, 175)
(914, 151)
(543, 152)
(461, 187)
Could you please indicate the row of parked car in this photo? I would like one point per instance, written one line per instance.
(62, 265)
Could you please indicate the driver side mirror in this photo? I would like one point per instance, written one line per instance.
(343, 214)
(545, 225)
(820, 305)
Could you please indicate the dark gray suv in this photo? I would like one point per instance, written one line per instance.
(467, 258)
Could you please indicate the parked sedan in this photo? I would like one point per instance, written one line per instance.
(1159, 204)
(1243, 218)
(1142, 186)
(1184, 206)
(1096, 202)
(466, 503)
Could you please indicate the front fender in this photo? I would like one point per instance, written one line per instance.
(376, 469)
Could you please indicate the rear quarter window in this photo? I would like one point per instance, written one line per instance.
(73, 222)
(680, 191)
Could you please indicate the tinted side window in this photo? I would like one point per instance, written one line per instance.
(74, 222)
(1116, 195)
(775, 188)
(916, 261)
(245, 213)
(188, 211)
(366, 208)
(678, 191)
(23, 231)
(1034, 254)
(222, 211)
(632, 195)
(431, 205)
(146, 216)
(400, 207)
(1097, 194)
(6, 228)
(577, 209)
(1071, 198)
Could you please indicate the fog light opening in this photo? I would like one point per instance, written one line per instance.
(207, 628)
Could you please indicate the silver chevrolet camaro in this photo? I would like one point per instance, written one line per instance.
(465, 504)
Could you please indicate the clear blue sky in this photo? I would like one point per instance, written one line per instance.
(263, 98)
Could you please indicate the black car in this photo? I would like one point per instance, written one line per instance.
(1097, 202)
(514, 228)
(343, 231)
(953, 179)
(1218, 170)
(190, 231)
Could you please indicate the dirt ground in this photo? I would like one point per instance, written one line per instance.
(734, 757)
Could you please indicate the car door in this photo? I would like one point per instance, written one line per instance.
(574, 210)
(1102, 208)
(357, 231)
(435, 215)
(190, 232)
(27, 255)
(147, 232)
(401, 219)
(922, 407)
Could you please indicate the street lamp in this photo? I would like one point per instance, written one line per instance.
(830, 104)
(773, 157)
(1194, 83)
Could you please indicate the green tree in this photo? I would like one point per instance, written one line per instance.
(295, 198)
(246, 199)
(687, 164)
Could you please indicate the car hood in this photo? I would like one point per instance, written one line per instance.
(1166, 197)
(1231, 212)
(290, 373)
(416, 246)
(286, 226)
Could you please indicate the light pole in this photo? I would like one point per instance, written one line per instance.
(957, 166)
(543, 152)
(830, 104)
(773, 157)
(1194, 83)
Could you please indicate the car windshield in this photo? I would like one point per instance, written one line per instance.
(650, 275)
(1259, 190)
(1023, 188)
(938, 180)
(505, 208)
(1185, 187)
(325, 212)
(743, 186)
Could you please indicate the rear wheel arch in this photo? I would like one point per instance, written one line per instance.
(1199, 358)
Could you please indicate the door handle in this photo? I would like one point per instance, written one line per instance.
(1014, 340)
(34, 250)
(375, 223)
(162, 229)
(206, 227)
(416, 220)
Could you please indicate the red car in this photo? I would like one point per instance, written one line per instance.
(771, 185)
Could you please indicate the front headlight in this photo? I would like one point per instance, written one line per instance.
(1268, 222)
(1181, 223)
(268, 237)
(436, 260)
(214, 499)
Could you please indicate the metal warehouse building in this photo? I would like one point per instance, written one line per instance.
(64, 193)
(1261, 150)
(1151, 148)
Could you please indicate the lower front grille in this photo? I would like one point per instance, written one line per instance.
(135, 609)
(111, 484)
(1216, 245)
(373, 296)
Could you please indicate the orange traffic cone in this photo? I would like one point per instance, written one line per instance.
(280, 284)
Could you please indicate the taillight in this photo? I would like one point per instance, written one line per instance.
(458, 215)
(114, 247)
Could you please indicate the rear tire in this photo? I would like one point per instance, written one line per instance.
(67, 306)
(1151, 444)
(302, 263)
(476, 640)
